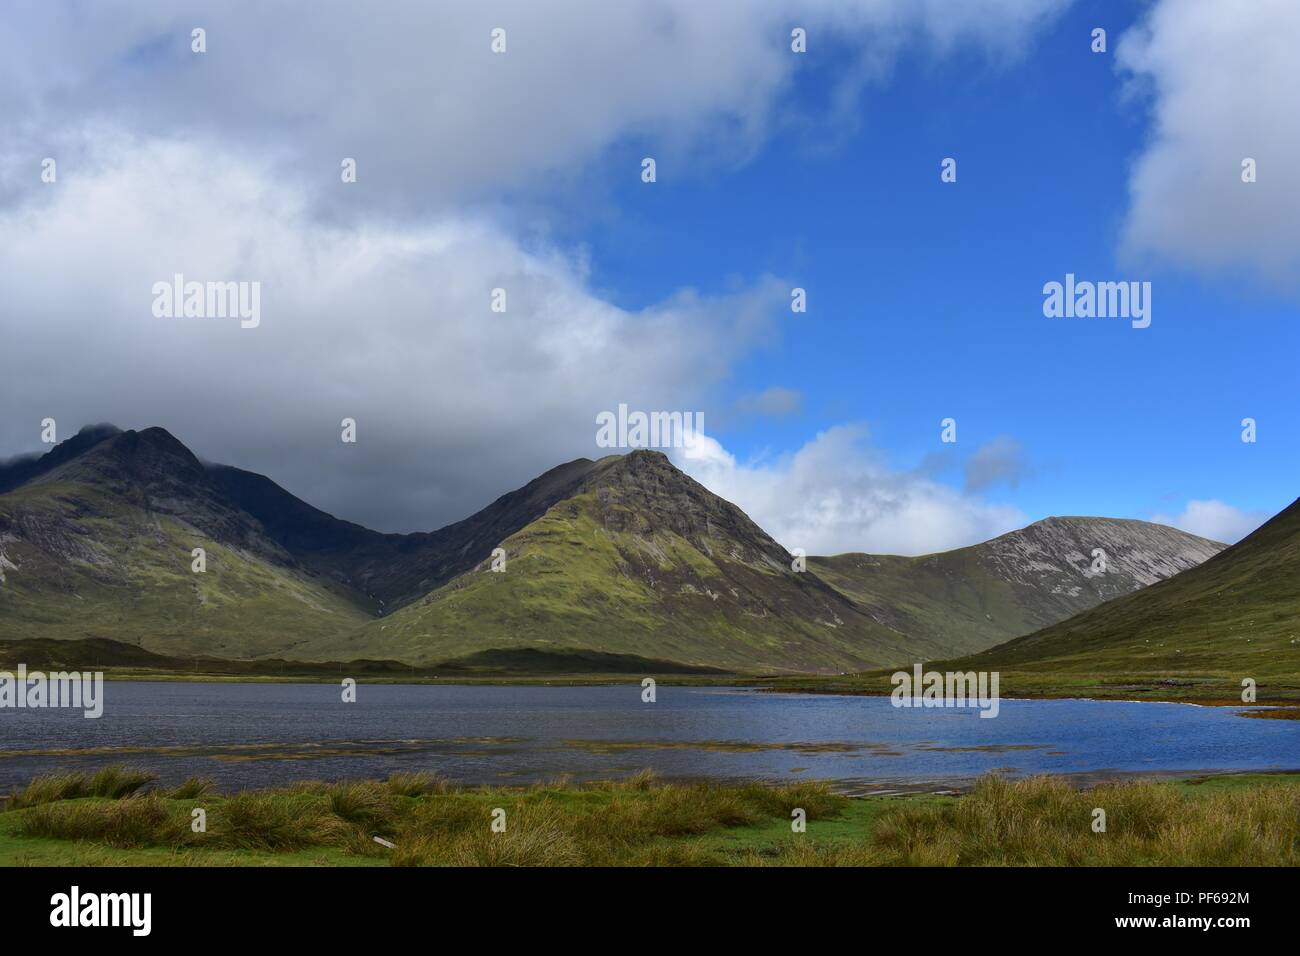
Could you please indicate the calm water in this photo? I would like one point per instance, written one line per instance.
(262, 734)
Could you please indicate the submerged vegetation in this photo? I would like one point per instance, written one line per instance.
(112, 817)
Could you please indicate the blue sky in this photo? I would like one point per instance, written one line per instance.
(926, 297)
(521, 170)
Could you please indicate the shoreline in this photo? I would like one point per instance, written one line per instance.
(1285, 707)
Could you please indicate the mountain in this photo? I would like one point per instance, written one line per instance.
(96, 542)
(1236, 614)
(972, 598)
(625, 557)
(638, 558)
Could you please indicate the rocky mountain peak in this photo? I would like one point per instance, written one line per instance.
(644, 492)
(24, 468)
(1111, 555)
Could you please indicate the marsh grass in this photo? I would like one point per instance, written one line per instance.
(417, 784)
(616, 823)
(191, 789)
(123, 823)
(367, 803)
(113, 782)
(265, 820)
(640, 821)
(1044, 821)
(538, 833)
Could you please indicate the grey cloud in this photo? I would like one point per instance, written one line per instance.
(1001, 460)
(774, 401)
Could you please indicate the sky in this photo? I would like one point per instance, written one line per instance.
(522, 170)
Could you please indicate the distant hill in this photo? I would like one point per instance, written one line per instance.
(975, 597)
(1238, 614)
(621, 559)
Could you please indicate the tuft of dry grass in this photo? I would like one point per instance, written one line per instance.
(366, 803)
(131, 822)
(192, 789)
(113, 782)
(417, 784)
(535, 834)
(260, 820)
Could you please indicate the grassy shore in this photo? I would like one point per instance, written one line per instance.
(114, 818)
(1188, 687)
(1114, 679)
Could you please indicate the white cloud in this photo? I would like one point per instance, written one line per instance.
(1215, 520)
(455, 404)
(411, 89)
(834, 495)
(1223, 79)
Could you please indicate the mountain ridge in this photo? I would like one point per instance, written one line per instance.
(624, 554)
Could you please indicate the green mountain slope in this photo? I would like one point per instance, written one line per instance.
(1237, 614)
(972, 598)
(99, 546)
(641, 560)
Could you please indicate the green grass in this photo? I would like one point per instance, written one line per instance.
(1228, 821)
